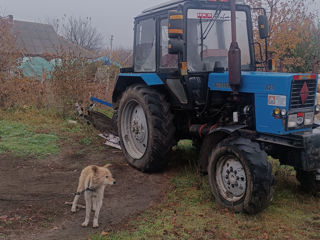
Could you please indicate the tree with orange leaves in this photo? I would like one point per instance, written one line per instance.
(291, 33)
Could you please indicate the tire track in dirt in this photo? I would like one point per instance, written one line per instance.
(33, 192)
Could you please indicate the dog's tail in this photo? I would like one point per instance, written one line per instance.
(81, 186)
(107, 165)
(84, 181)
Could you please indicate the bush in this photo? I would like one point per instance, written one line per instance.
(72, 80)
(8, 53)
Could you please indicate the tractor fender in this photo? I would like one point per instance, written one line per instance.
(125, 80)
(214, 137)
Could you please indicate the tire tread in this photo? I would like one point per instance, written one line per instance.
(261, 174)
(163, 127)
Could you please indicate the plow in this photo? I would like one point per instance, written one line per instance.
(105, 125)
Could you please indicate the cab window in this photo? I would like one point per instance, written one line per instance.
(166, 60)
(145, 46)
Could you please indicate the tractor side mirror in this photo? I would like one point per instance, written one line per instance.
(263, 26)
(175, 32)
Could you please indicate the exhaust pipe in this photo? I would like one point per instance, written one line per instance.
(234, 55)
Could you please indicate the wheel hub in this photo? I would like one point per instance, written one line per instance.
(134, 129)
(138, 130)
(231, 178)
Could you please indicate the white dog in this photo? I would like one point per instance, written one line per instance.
(92, 182)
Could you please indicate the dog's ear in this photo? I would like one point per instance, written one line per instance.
(108, 165)
(94, 169)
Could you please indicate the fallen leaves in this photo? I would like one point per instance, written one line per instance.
(104, 234)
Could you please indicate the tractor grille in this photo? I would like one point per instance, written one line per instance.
(303, 93)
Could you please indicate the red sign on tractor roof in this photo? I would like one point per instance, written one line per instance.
(204, 15)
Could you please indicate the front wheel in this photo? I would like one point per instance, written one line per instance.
(145, 126)
(240, 175)
(310, 181)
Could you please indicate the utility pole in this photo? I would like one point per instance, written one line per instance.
(111, 45)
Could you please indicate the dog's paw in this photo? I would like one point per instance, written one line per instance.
(73, 210)
(95, 225)
(85, 224)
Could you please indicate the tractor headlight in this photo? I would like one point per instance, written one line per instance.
(283, 112)
(292, 121)
(277, 111)
(308, 118)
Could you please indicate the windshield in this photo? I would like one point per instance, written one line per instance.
(209, 38)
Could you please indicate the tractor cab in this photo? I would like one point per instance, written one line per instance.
(185, 40)
(197, 34)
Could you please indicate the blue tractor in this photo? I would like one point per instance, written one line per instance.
(194, 76)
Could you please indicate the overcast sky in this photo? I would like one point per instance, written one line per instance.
(110, 17)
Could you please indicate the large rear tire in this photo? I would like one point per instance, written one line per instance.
(240, 175)
(309, 182)
(146, 129)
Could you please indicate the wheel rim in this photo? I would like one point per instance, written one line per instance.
(134, 129)
(231, 178)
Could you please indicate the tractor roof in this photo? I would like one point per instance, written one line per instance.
(163, 5)
(174, 3)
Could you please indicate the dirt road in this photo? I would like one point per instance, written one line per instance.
(33, 193)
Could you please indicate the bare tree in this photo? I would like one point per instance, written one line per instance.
(55, 23)
(79, 31)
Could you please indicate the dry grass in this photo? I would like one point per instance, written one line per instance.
(71, 81)
(189, 212)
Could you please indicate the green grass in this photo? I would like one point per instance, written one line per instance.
(105, 110)
(20, 139)
(189, 212)
(85, 141)
(40, 132)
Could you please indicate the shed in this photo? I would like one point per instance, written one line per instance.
(38, 39)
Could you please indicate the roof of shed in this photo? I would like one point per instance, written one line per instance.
(38, 39)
